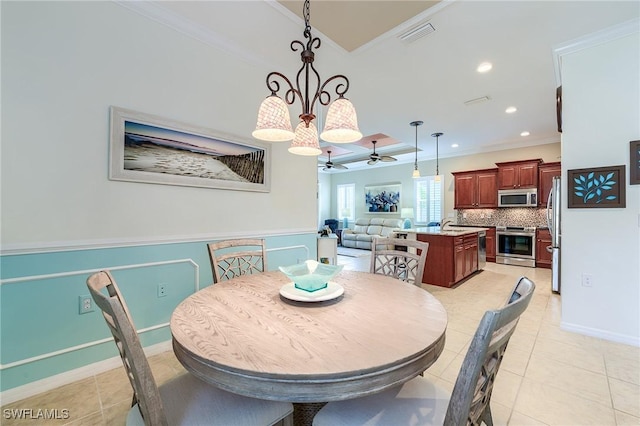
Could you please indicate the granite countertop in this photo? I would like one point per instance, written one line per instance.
(450, 230)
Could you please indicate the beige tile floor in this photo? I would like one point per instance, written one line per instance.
(548, 377)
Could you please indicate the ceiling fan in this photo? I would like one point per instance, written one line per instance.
(375, 157)
(329, 164)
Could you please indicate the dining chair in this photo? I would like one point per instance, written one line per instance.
(421, 402)
(184, 400)
(399, 258)
(226, 265)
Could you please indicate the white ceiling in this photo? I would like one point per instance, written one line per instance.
(393, 82)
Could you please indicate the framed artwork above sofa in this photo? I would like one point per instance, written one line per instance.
(382, 198)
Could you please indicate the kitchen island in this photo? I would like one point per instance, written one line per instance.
(452, 255)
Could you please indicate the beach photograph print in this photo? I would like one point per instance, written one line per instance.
(151, 149)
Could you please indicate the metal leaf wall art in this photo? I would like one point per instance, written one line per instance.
(597, 187)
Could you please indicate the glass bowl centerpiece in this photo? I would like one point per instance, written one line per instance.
(311, 275)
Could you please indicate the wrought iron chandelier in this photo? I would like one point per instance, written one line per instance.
(274, 124)
(416, 172)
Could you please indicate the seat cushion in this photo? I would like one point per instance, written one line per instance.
(374, 229)
(364, 237)
(348, 236)
(190, 401)
(387, 231)
(360, 229)
(417, 402)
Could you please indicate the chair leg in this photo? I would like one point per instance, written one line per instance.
(288, 421)
(486, 416)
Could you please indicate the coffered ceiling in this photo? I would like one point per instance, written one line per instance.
(396, 78)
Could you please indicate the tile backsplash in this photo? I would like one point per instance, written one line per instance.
(511, 216)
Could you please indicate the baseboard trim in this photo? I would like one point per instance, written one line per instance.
(30, 389)
(601, 334)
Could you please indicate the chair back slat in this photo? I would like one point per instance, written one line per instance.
(108, 298)
(469, 403)
(399, 258)
(228, 265)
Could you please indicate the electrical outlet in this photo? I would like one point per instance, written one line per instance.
(85, 304)
(587, 280)
(162, 290)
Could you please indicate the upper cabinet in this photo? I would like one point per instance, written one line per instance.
(518, 174)
(546, 172)
(476, 189)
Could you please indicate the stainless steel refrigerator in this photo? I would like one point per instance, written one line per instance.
(553, 222)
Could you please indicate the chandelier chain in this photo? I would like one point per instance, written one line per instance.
(302, 89)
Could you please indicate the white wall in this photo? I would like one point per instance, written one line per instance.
(601, 110)
(63, 65)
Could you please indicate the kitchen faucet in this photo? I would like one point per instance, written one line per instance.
(443, 224)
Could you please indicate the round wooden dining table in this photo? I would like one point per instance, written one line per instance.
(241, 335)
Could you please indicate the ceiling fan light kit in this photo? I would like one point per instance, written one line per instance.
(330, 165)
(375, 157)
(274, 125)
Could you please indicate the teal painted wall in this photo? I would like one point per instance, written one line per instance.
(39, 299)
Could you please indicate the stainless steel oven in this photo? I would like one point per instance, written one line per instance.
(516, 245)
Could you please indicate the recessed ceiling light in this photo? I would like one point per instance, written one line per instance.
(455, 145)
(525, 133)
(511, 110)
(484, 67)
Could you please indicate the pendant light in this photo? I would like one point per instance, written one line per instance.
(416, 172)
(437, 135)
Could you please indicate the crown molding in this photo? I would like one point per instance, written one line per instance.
(590, 40)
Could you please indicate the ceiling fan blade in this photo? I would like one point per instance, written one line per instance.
(372, 161)
(324, 169)
(340, 166)
(386, 158)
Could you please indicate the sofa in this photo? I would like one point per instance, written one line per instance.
(366, 229)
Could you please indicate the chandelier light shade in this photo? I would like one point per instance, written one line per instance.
(341, 125)
(274, 124)
(306, 140)
(416, 172)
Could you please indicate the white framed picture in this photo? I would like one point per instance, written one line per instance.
(147, 148)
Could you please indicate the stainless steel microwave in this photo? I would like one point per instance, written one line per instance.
(518, 197)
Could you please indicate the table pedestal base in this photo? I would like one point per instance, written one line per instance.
(303, 412)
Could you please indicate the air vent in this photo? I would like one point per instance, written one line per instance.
(417, 32)
(477, 100)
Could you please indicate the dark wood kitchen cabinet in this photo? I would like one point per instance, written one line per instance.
(543, 240)
(546, 173)
(451, 259)
(476, 189)
(466, 256)
(459, 259)
(518, 174)
(470, 254)
(491, 244)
